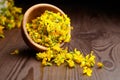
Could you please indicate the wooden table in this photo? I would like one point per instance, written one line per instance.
(93, 30)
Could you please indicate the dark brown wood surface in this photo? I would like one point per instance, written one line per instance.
(93, 30)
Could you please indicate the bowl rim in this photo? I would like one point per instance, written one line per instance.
(25, 17)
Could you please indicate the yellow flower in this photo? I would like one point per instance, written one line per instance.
(83, 63)
(49, 54)
(100, 64)
(56, 47)
(41, 55)
(69, 56)
(90, 60)
(77, 52)
(1, 29)
(2, 20)
(78, 58)
(71, 63)
(16, 51)
(87, 71)
(59, 59)
(44, 61)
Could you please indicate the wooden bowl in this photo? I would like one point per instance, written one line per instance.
(32, 13)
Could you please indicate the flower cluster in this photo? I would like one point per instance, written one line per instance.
(10, 16)
(58, 57)
(49, 29)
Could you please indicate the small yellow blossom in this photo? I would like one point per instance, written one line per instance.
(69, 56)
(77, 51)
(83, 63)
(59, 59)
(87, 71)
(2, 20)
(56, 47)
(16, 51)
(44, 61)
(48, 55)
(71, 63)
(100, 65)
(40, 55)
(78, 58)
(90, 60)
(1, 29)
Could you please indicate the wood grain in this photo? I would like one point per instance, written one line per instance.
(93, 30)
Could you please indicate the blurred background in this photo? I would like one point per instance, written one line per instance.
(97, 5)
